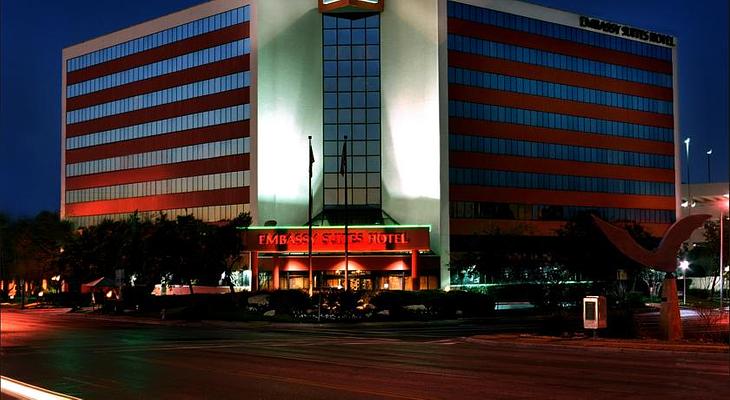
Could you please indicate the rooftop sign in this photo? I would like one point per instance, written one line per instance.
(350, 5)
(627, 31)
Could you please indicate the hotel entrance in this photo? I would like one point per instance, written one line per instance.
(380, 258)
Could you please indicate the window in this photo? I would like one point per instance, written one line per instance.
(351, 71)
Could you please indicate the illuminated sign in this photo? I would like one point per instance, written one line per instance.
(350, 5)
(623, 30)
(332, 239)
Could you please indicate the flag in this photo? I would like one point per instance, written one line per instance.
(311, 159)
(343, 159)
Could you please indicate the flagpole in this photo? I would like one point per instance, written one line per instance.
(347, 239)
(309, 245)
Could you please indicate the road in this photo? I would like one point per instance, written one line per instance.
(96, 359)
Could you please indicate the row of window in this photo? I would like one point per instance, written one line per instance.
(162, 67)
(160, 187)
(352, 84)
(527, 180)
(354, 148)
(350, 37)
(555, 90)
(361, 52)
(486, 112)
(351, 68)
(180, 32)
(370, 132)
(355, 100)
(352, 115)
(354, 163)
(549, 29)
(163, 126)
(354, 180)
(356, 196)
(160, 157)
(206, 214)
(539, 212)
(526, 55)
(521, 148)
(165, 96)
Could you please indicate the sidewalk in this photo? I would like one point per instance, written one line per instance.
(602, 343)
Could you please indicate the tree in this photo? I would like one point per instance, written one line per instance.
(704, 257)
(31, 247)
(584, 249)
(187, 249)
(496, 253)
(231, 245)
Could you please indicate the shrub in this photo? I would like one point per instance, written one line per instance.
(470, 303)
(69, 299)
(289, 301)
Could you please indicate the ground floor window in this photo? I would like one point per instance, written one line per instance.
(359, 280)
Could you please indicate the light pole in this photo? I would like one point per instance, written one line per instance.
(709, 153)
(689, 186)
(684, 266)
(722, 275)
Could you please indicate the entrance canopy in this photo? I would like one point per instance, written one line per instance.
(98, 285)
(331, 239)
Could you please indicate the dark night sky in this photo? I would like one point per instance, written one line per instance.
(33, 32)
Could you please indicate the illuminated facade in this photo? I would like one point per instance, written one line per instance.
(459, 116)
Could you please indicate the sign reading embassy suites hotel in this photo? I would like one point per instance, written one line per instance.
(332, 239)
(623, 30)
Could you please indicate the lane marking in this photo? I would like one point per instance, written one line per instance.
(24, 390)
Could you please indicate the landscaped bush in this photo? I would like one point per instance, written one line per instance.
(296, 305)
(291, 302)
(69, 299)
(700, 293)
(469, 303)
(437, 304)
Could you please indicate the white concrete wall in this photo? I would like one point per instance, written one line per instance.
(287, 51)
(445, 240)
(411, 130)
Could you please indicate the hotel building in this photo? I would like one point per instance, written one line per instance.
(460, 118)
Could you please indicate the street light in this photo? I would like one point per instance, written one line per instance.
(720, 269)
(689, 187)
(709, 153)
(684, 266)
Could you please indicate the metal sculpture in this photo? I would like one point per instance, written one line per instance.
(663, 258)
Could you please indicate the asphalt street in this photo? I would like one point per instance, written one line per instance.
(101, 359)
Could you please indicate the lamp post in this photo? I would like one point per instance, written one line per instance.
(721, 269)
(709, 153)
(689, 186)
(684, 266)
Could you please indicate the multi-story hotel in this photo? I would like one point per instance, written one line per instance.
(458, 118)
